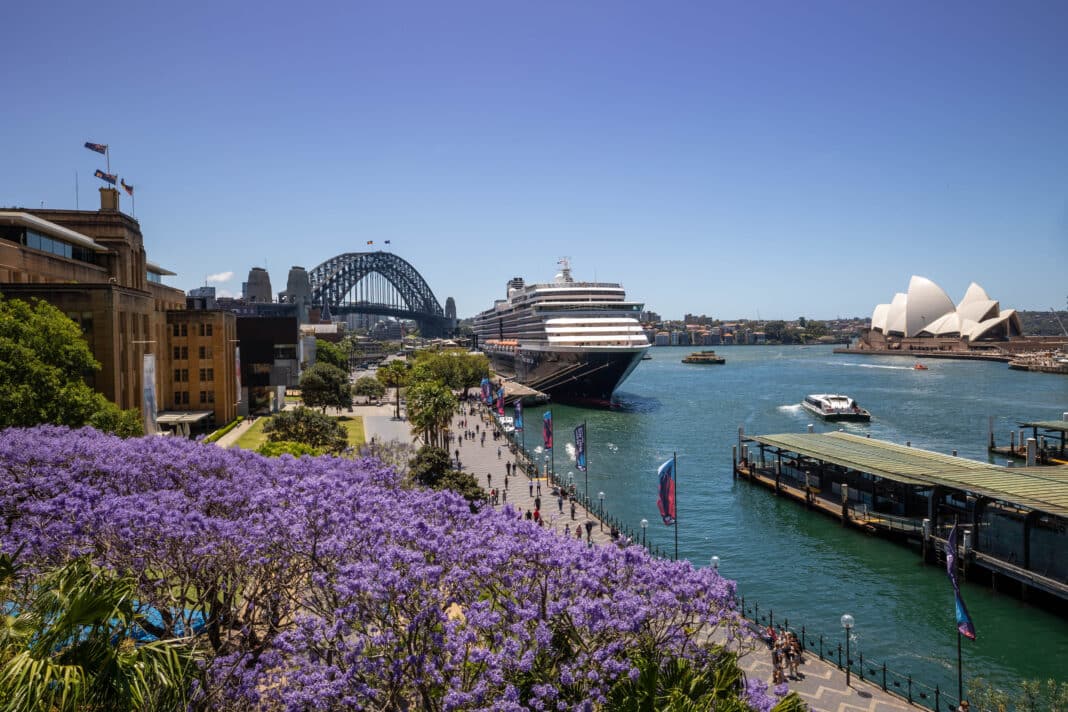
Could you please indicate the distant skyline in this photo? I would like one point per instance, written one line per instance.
(768, 160)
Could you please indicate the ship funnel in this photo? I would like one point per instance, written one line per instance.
(514, 285)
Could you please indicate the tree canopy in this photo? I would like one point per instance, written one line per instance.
(44, 359)
(368, 386)
(430, 408)
(330, 353)
(394, 374)
(309, 427)
(325, 386)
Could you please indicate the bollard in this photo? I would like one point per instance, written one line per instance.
(1032, 451)
(1012, 441)
(811, 428)
(884, 677)
(954, 452)
(821, 646)
(990, 429)
(938, 698)
(839, 656)
(862, 666)
(910, 688)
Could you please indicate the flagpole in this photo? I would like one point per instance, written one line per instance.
(586, 445)
(76, 190)
(675, 470)
(960, 671)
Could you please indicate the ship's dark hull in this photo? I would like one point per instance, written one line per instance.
(569, 375)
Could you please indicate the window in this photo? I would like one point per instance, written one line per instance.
(211, 375)
(177, 375)
(181, 352)
(185, 376)
(209, 329)
(181, 398)
(174, 329)
(185, 329)
(203, 374)
(203, 396)
(177, 353)
(185, 352)
(201, 328)
(205, 352)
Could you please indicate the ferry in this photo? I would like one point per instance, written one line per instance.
(704, 357)
(572, 340)
(835, 407)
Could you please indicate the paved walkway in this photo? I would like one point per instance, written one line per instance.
(823, 685)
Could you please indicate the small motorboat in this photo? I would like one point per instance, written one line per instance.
(919, 367)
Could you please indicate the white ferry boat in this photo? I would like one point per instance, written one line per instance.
(835, 407)
(572, 340)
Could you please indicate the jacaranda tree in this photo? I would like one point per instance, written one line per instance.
(324, 584)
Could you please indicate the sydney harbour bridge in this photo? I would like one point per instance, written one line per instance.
(383, 284)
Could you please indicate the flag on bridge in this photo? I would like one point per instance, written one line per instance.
(665, 502)
(547, 429)
(964, 621)
(98, 147)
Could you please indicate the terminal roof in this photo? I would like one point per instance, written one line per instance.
(1041, 488)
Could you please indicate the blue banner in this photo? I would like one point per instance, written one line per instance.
(518, 416)
(580, 448)
(665, 500)
(964, 621)
(485, 390)
(500, 401)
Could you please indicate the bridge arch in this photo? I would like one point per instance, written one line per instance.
(377, 283)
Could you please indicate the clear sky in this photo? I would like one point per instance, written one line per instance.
(770, 159)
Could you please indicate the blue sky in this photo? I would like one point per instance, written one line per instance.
(769, 159)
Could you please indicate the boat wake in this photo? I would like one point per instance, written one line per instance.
(870, 365)
(791, 408)
(612, 447)
(570, 449)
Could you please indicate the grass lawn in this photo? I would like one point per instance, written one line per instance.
(252, 438)
(353, 426)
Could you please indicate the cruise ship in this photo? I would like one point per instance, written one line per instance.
(572, 340)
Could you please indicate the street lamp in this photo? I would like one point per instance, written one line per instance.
(715, 564)
(600, 496)
(847, 623)
(644, 523)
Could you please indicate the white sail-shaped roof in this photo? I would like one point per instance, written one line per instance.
(926, 310)
(895, 316)
(927, 302)
(878, 317)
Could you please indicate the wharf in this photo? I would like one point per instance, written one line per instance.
(918, 353)
(514, 391)
(1042, 432)
(1014, 519)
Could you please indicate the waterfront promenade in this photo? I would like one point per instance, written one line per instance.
(823, 685)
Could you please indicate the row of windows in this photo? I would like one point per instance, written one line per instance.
(182, 397)
(181, 353)
(182, 329)
(181, 375)
(44, 243)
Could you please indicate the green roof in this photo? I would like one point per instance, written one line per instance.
(1040, 488)
(1060, 426)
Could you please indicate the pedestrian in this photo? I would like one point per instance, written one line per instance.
(964, 706)
(498, 452)
(560, 502)
(531, 486)
(578, 532)
(506, 482)
(567, 530)
(457, 454)
(504, 494)
(537, 503)
(489, 479)
(572, 509)
(539, 489)
(537, 514)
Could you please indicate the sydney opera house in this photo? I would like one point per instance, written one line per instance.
(925, 319)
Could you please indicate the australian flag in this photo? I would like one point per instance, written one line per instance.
(580, 448)
(518, 416)
(665, 502)
(98, 147)
(547, 429)
(964, 621)
(110, 178)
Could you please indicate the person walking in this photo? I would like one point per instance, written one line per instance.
(531, 486)
(572, 509)
(489, 479)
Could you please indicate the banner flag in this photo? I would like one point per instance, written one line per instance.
(665, 502)
(127, 187)
(500, 401)
(109, 177)
(387, 242)
(485, 390)
(237, 372)
(580, 448)
(964, 621)
(547, 429)
(148, 399)
(518, 416)
(98, 147)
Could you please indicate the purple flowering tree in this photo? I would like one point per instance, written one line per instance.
(326, 583)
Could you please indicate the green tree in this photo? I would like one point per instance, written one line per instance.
(70, 646)
(43, 363)
(331, 353)
(394, 374)
(325, 386)
(430, 408)
(307, 426)
(429, 465)
(368, 386)
(124, 423)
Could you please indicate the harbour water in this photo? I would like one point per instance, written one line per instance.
(803, 566)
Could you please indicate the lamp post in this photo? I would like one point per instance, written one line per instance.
(570, 481)
(600, 516)
(644, 523)
(715, 564)
(847, 623)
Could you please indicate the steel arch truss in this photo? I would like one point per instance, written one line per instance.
(333, 280)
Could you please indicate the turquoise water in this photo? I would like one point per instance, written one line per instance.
(804, 566)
